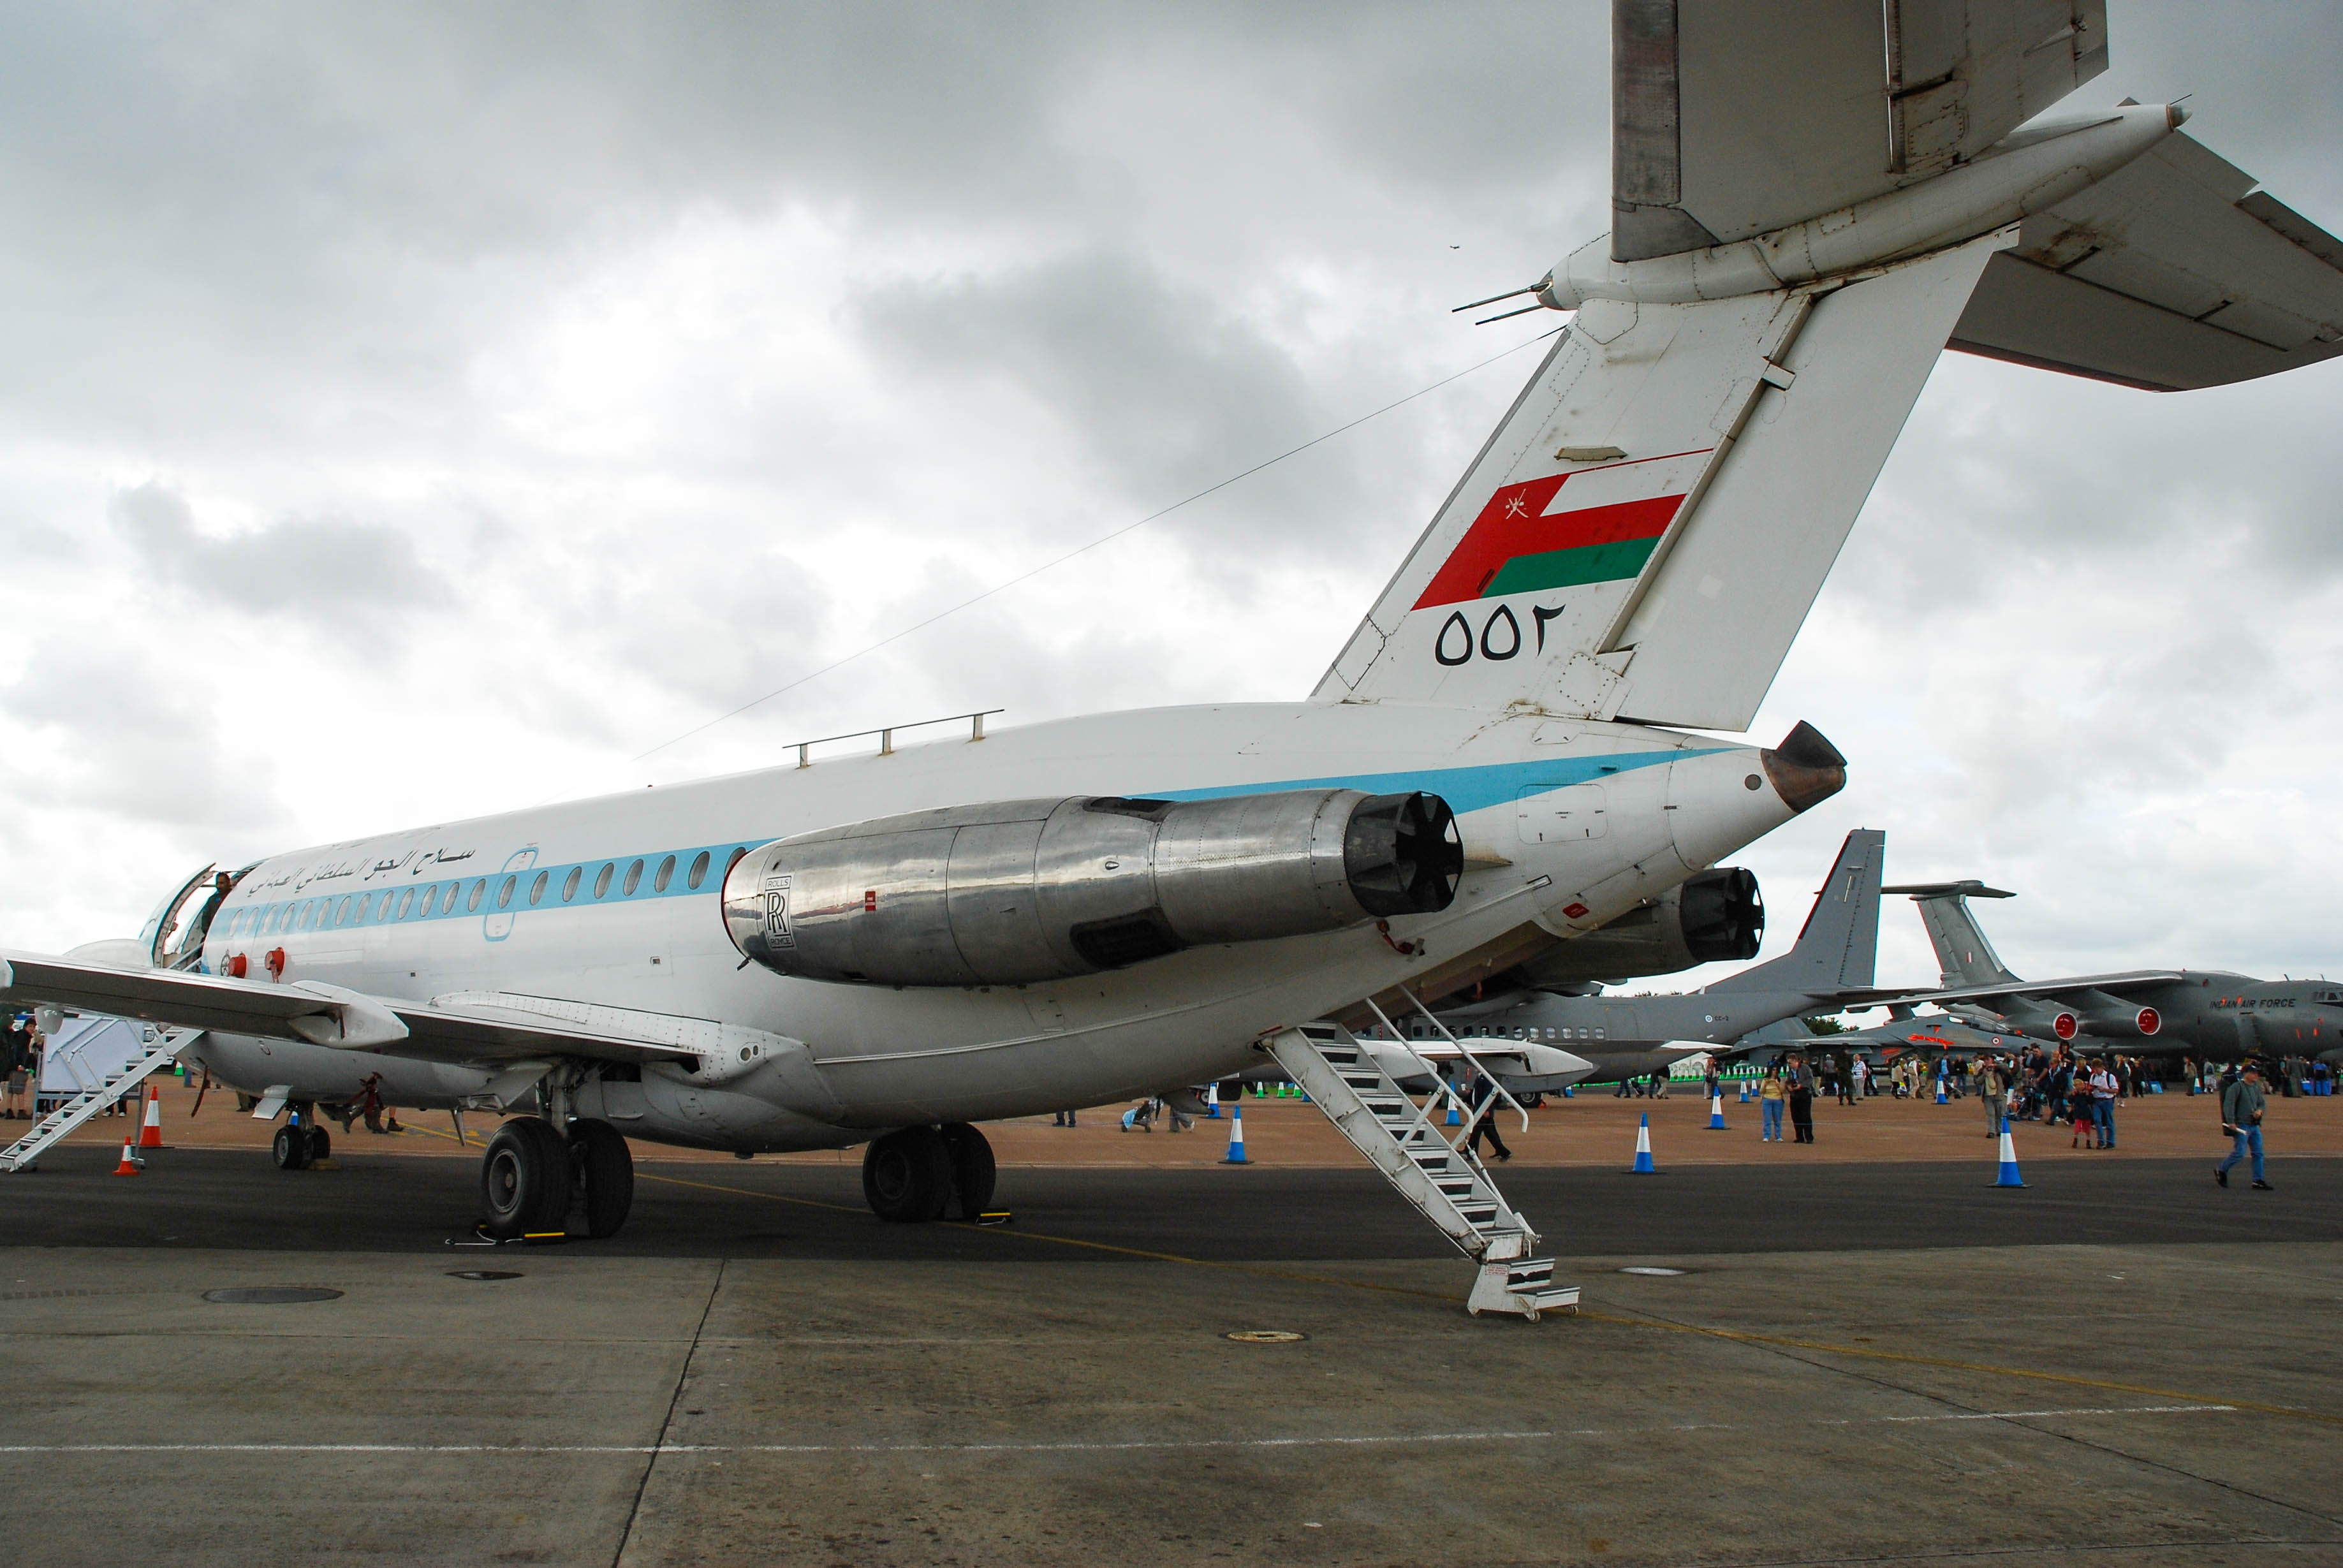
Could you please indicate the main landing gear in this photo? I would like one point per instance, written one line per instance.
(916, 1174)
(531, 1177)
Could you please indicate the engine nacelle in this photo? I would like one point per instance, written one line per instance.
(1711, 916)
(1024, 890)
(2057, 1024)
(2123, 1021)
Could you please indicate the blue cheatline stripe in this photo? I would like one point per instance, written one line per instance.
(453, 899)
(1466, 789)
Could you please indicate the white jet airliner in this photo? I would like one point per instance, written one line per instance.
(1812, 200)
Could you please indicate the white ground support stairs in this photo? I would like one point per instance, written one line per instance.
(1445, 1181)
(98, 1092)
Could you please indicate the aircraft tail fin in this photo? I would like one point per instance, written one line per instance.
(1838, 947)
(1963, 954)
(1645, 532)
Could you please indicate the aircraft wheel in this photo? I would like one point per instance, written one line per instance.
(607, 1171)
(525, 1179)
(290, 1148)
(972, 1167)
(321, 1146)
(907, 1175)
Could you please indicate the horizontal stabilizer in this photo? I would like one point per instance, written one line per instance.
(2172, 273)
(1732, 117)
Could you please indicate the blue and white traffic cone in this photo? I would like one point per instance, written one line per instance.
(1455, 1117)
(1644, 1166)
(1744, 1093)
(1940, 1090)
(1212, 1100)
(1236, 1155)
(1717, 1112)
(2008, 1176)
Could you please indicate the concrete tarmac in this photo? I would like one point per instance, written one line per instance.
(1858, 1361)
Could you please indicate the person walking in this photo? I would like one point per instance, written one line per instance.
(1770, 1100)
(2241, 1118)
(1481, 1093)
(1993, 1088)
(2104, 1089)
(1802, 1099)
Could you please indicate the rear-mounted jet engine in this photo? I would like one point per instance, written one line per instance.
(1021, 890)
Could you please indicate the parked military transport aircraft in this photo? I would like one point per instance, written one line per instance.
(1829, 969)
(2142, 1012)
(1811, 200)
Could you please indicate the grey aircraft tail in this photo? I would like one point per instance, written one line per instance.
(1963, 954)
(1838, 947)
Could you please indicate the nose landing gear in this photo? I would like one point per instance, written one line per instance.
(301, 1143)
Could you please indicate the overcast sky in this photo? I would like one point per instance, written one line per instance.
(409, 413)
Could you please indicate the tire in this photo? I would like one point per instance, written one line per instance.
(608, 1168)
(906, 1176)
(973, 1170)
(289, 1149)
(525, 1180)
(321, 1146)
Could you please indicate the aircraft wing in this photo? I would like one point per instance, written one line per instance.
(2173, 273)
(2113, 985)
(321, 1015)
(1734, 117)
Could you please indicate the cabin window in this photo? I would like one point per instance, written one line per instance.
(634, 878)
(666, 875)
(365, 900)
(473, 902)
(1598, 1034)
(405, 902)
(536, 888)
(430, 897)
(504, 892)
(383, 910)
(699, 872)
(602, 879)
(342, 911)
(570, 883)
(309, 914)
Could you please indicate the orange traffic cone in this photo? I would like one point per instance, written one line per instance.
(130, 1161)
(150, 1136)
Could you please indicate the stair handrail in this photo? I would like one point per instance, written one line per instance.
(1442, 1091)
(1466, 1051)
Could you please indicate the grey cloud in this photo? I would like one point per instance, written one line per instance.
(329, 574)
(123, 733)
(1167, 391)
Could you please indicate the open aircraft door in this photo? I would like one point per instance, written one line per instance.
(174, 934)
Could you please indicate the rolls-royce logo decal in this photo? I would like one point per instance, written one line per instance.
(776, 913)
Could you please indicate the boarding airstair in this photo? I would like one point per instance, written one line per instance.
(1445, 1181)
(97, 1089)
